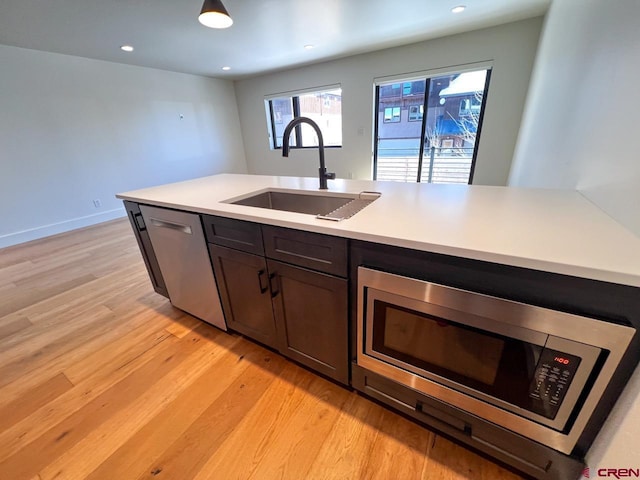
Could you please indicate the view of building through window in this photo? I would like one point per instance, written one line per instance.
(436, 147)
(323, 107)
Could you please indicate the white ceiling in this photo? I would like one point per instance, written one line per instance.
(266, 35)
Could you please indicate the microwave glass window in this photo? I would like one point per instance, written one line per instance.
(505, 368)
(460, 350)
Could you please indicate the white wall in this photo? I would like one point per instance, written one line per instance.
(73, 130)
(511, 47)
(580, 131)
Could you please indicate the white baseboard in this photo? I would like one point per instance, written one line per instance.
(60, 227)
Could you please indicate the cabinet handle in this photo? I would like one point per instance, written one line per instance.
(273, 283)
(263, 289)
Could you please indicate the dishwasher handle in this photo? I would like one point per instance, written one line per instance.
(171, 225)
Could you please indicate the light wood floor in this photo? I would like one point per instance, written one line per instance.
(101, 378)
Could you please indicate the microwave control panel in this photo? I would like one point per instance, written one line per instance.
(551, 380)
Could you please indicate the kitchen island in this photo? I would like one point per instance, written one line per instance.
(549, 252)
(557, 231)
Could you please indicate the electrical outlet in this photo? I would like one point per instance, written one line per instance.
(97, 203)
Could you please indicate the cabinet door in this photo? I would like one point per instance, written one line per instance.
(144, 243)
(311, 316)
(243, 283)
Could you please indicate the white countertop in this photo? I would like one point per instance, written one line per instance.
(551, 230)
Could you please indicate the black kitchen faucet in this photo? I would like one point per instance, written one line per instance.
(322, 171)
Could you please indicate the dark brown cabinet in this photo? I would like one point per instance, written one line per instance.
(243, 284)
(294, 299)
(311, 316)
(146, 249)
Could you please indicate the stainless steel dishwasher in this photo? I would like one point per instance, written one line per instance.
(179, 244)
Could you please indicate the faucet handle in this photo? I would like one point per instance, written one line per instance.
(330, 175)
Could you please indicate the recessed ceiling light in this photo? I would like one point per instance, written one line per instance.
(308, 47)
(226, 68)
(458, 9)
(126, 48)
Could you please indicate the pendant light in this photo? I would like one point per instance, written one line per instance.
(214, 15)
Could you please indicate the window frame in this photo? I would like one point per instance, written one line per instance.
(295, 100)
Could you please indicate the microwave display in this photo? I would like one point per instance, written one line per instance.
(509, 369)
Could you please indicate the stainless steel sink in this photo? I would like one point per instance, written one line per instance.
(329, 207)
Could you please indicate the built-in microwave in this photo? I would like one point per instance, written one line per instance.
(535, 371)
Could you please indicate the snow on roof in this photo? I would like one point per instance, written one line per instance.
(467, 82)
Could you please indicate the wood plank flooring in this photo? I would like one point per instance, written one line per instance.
(101, 378)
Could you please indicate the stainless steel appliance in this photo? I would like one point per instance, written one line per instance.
(532, 370)
(180, 247)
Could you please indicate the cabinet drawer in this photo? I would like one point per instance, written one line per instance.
(533, 458)
(319, 252)
(238, 234)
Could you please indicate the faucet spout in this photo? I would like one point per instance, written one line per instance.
(322, 171)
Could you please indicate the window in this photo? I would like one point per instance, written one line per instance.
(390, 90)
(392, 115)
(281, 110)
(432, 136)
(415, 113)
(323, 107)
(471, 105)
